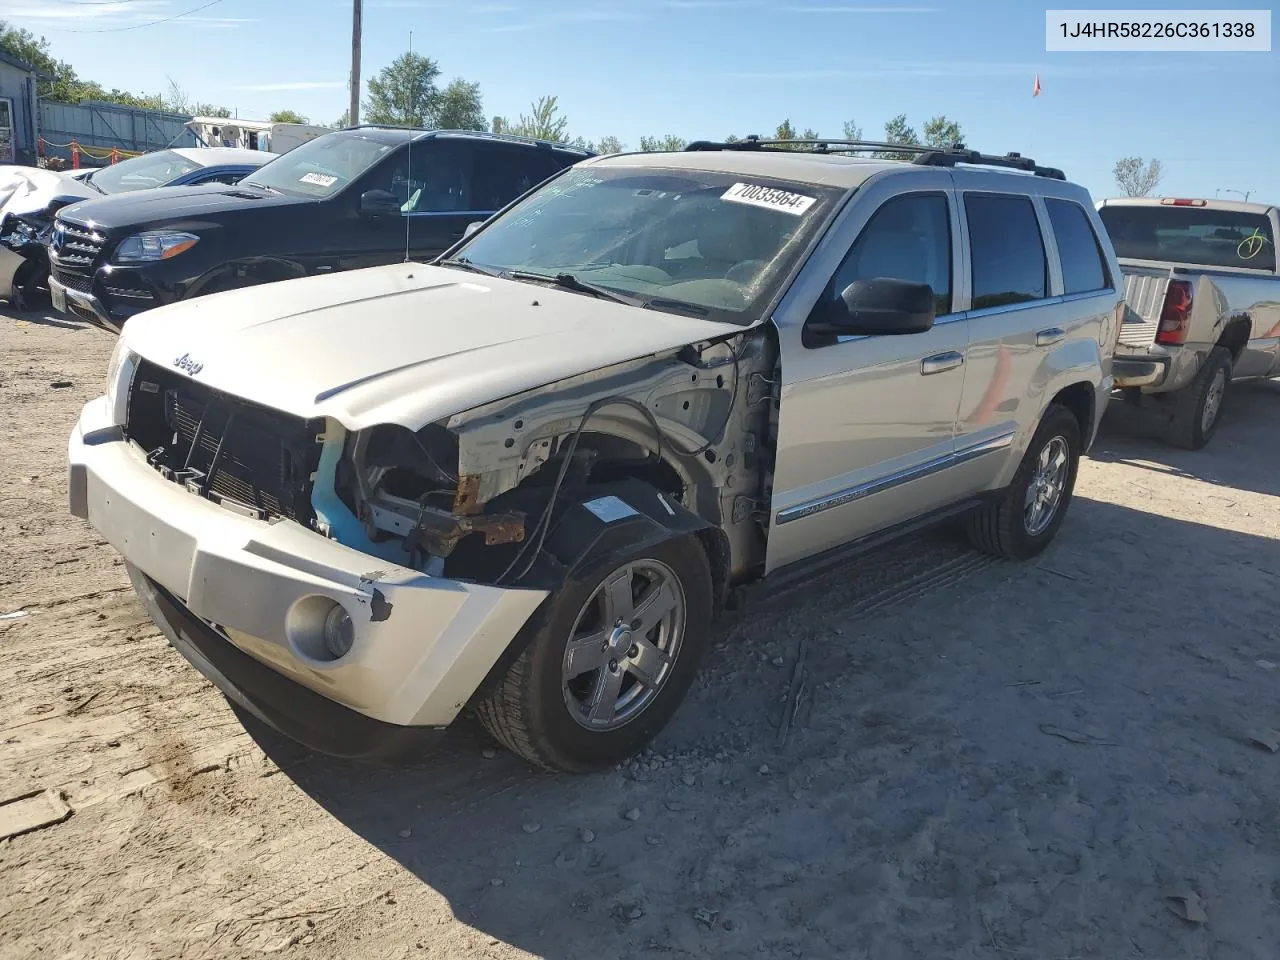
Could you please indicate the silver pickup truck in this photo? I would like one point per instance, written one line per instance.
(1203, 305)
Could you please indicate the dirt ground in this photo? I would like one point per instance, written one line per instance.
(989, 760)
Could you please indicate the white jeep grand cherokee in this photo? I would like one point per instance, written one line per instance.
(526, 477)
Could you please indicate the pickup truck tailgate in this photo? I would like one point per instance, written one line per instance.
(1144, 297)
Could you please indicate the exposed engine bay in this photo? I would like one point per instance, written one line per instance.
(473, 497)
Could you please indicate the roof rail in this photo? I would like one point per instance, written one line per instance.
(478, 134)
(924, 155)
(1011, 161)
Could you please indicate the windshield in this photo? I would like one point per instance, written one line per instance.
(320, 167)
(140, 173)
(1214, 238)
(715, 244)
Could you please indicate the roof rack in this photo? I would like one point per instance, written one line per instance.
(477, 134)
(924, 155)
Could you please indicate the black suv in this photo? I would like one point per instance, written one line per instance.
(353, 198)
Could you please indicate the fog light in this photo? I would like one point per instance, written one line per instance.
(339, 632)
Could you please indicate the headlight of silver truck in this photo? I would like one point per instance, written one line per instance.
(119, 376)
(154, 245)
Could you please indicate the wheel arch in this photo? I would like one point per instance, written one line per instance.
(1081, 399)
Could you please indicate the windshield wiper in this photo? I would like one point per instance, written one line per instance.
(462, 263)
(567, 281)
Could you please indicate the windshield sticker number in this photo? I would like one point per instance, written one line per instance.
(318, 179)
(769, 198)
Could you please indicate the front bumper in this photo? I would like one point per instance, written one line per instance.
(423, 644)
(84, 306)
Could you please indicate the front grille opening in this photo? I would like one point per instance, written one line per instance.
(246, 457)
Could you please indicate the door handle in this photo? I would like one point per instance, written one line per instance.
(1046, 337)
(940, 363)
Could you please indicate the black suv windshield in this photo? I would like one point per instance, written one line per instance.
(715, 244)
(140, 173)
(320, 167)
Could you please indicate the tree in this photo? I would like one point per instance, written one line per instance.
(1135, 178)
(941, 132)
(543, 122)
(404, 94)
(287, 116)
(898, 130)
(177, 100)
(459, 108)
(212, 110)
(852, 131)
(60, 83)
(666, 144)
(610, 144)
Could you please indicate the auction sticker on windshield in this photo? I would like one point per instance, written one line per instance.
(319, 179)
(769, 198)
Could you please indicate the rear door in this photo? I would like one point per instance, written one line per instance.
(865, 433)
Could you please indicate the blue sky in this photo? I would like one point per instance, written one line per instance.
(706, 68)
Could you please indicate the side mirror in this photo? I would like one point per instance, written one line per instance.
(379, 203)
(881, 306)
(472, 227)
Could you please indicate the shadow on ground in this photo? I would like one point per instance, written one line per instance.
(1012, 766)
(1249, 416)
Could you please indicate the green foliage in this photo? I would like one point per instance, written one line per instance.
(610, 144)
(404, 94)
(941, 132)
(287, 116)
(852, 131)
(897, 130)
(543, 122)
(60, 82)
(665, 144)
(1135, 178)
(211, 110)
(459, 107)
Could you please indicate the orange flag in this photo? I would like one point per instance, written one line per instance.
(1035, 90)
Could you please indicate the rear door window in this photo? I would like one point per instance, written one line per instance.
(503, 172)
(1193, 235)
(1083, 269)
(1006, 250)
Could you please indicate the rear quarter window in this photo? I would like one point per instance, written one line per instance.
(1006, 250)
(1083, 268)
(1193, 235)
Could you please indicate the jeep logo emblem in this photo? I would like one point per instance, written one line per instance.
(187, 365)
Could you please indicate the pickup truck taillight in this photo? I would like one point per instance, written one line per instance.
(1175, 317)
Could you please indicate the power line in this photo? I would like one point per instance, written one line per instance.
(148, 23)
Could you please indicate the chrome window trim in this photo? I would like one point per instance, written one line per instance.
(889, 481)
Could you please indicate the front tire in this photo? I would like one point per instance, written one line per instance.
(607, 660)
(1026, 517)
(1197, 407)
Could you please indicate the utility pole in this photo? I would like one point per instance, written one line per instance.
(353, 112)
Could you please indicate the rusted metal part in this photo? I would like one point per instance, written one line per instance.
(466, 502)
(439, 532)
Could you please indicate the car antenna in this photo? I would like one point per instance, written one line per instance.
(408, 214)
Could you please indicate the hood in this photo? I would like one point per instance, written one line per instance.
(27, 190)
(147, 207)
(406, 344)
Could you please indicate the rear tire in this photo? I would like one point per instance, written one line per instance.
(1197, 407)
(543, 710)
(1026, 517)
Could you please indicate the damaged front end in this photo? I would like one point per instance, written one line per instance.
(478, 496)
(482, 496)
(24, 257)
